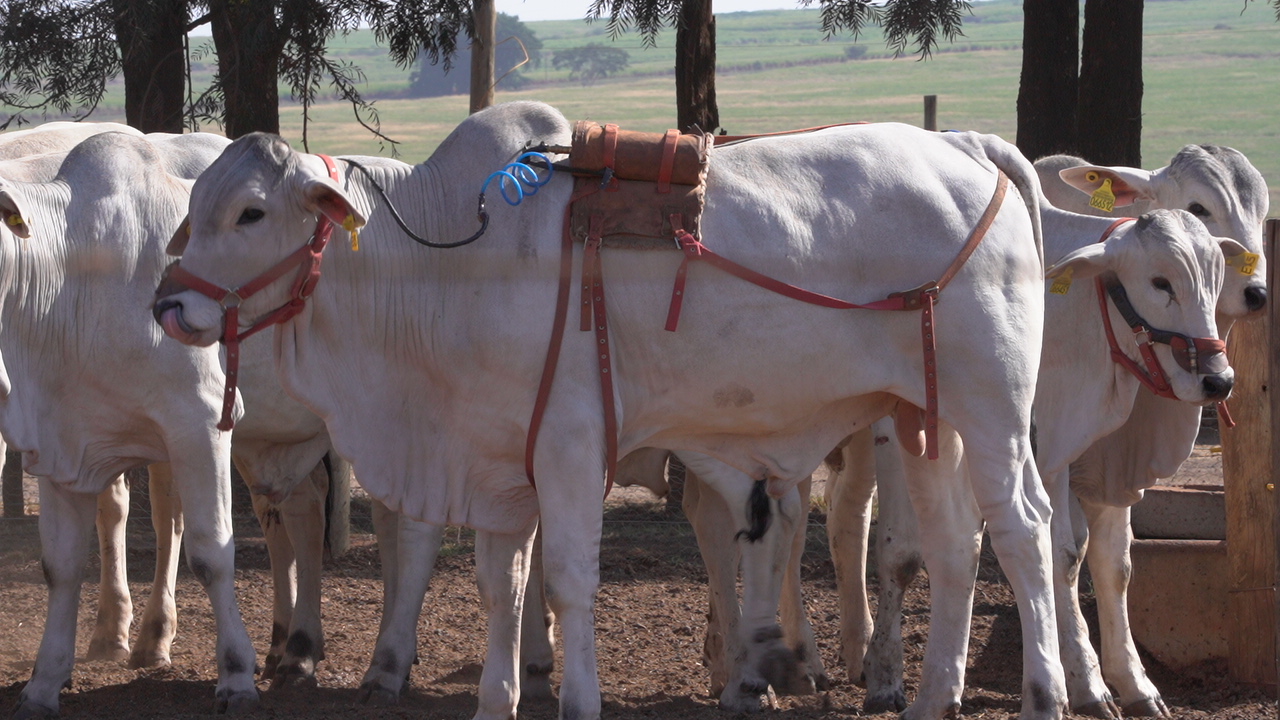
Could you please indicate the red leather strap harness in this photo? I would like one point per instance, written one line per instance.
(1190, 353)
(594, 317)
(305, 259)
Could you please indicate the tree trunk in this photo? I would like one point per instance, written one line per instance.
(248, 44)
(485, 16)
(696, 68)
(150, 36)
(1047, 90)
(1110, 106)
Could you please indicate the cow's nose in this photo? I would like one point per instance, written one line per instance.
(1255, 297)
(1217, 387)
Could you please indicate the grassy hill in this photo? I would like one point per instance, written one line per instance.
(1211, 68)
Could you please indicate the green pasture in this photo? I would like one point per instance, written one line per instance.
(1211, 73)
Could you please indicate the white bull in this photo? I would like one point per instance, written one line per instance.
(446, 346)
(1220, 187)
(80, 376)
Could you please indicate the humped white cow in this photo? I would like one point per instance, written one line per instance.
(277, 443)
(420, 361)
(1220, 187)
(81, 373)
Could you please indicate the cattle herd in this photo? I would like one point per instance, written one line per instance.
(980, 348)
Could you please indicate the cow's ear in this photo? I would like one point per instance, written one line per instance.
(11, 212)
(1083, 263)
(1129, 185)
(325, 197)
(178, 243)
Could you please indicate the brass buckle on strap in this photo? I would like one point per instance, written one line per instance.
(914, 299)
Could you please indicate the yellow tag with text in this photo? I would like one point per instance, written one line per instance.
(1062, 283)
(349, 224)
(1103, 198)
(1244, 263)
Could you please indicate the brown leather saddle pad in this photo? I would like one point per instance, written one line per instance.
(640, 180)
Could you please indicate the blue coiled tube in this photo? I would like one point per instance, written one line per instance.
(520, 178)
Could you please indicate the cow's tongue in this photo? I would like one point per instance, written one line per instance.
(174, 327)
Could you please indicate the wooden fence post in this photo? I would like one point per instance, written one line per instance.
(931, 112)
(1250, 452)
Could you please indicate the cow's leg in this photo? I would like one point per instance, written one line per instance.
(1108, 556)
(571, 525)
(110, 640)
(797, 633)
(950, 541)
(714, 529)
(1085, 690)
(204, 481)
(417, 546)
(303, 518)
(284, 587)
(502, 572)
(386, 527)
(537, 635)
(160, 618)
(767, 661)
(1017, 511)
(849, 495)
(898, 562)
(66, 522)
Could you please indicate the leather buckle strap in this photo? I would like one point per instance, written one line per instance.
(669, 143)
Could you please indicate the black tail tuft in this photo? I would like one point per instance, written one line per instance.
(759, 512)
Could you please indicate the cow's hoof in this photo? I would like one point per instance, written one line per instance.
(1105, 709)
(1147, 707)
(374, 695)
(269, 666)
(821, 682)
(889, 701)
(235, 702)
(781, 670)
(300, 673)
(109, 650)
(745, 702)
(148, 659)
(536, 688)
(32, 709)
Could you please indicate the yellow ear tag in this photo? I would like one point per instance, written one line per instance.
(1103, 198)
(349, 224)
(14, 220)
(1062, 283)
(1244, 263)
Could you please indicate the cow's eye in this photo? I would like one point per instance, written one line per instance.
(250, 215)
(1161, 283)
(1198, 210)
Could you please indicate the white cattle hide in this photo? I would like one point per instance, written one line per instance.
(81, 365)
(1082, 396)
(446, 344)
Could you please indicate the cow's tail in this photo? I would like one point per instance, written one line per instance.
(758, 512)
(1008, 158)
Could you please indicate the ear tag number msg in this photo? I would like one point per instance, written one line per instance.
(1103, 198)
(1244, 263)
(1061, 284)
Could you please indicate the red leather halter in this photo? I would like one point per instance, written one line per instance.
(307, 261)
(1190, 353)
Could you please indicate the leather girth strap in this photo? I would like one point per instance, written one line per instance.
(921, 298)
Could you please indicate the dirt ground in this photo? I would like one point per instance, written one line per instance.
(650, 619)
